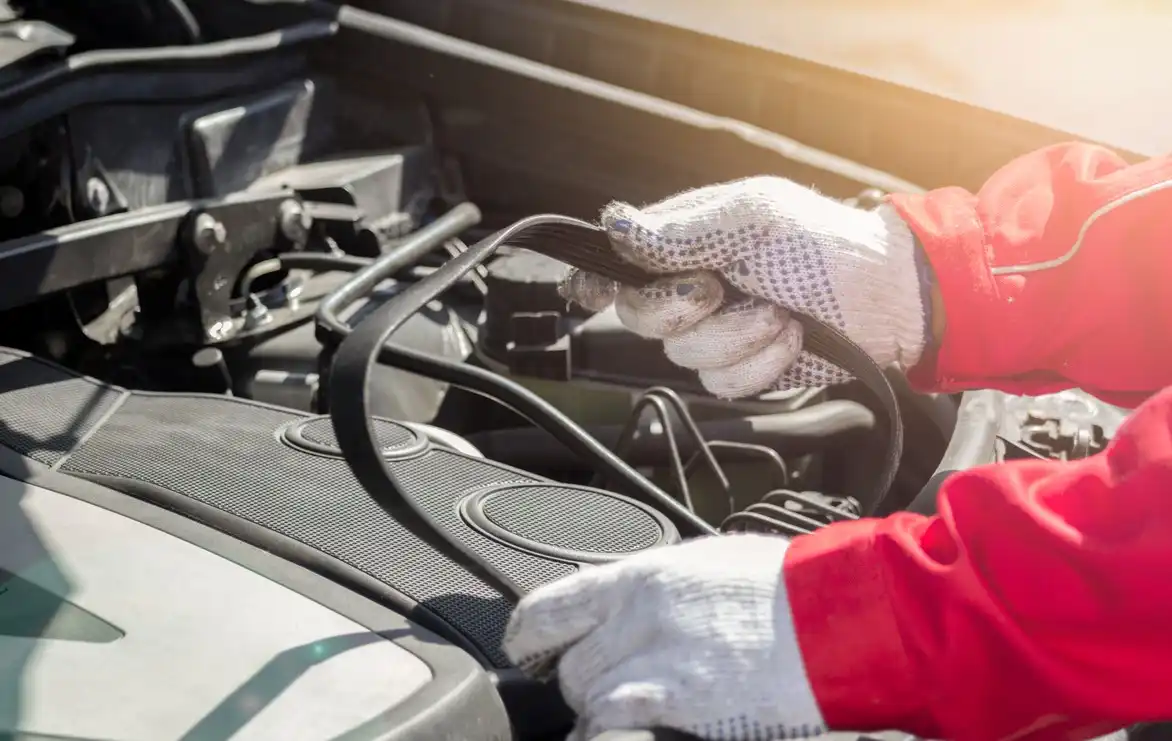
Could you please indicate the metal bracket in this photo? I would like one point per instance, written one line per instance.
(216, 238)
(221, 239)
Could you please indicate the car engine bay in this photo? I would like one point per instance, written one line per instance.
(274, 429)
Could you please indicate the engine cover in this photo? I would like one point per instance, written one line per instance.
(275, 478)
(113, 628)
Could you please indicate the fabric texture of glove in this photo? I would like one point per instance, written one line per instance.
(696, 637)
(789, 248)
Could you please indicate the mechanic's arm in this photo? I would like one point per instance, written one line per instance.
(1037, 604)
(1055, 274)
(1038, 600)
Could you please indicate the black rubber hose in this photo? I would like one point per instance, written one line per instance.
(331, 329)
(323, 261)
(973, 443)
(537, 410)
(185, 19)
(385, 319)
(801, 431)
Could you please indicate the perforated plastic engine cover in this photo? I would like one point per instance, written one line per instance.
(250, 460)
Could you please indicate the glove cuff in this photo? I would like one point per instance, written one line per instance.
(909, 302)
(878, 285)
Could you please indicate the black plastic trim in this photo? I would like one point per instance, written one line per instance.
(154, 75)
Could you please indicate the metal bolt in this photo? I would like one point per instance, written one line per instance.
(293, 295)
(219, 331)
(295, 222)
(208, 233)
(258, 314)
(97, 195)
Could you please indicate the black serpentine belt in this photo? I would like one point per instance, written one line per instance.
(351, 414)
(584, 246)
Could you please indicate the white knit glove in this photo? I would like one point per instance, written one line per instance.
(697, 637)
(782, 243)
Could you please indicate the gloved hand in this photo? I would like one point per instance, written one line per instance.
(696, 637)
(782, 243)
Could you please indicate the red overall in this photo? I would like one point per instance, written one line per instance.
(1038, 602)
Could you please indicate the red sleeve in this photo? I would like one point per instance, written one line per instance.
(1036, 605)
(1055, 274)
